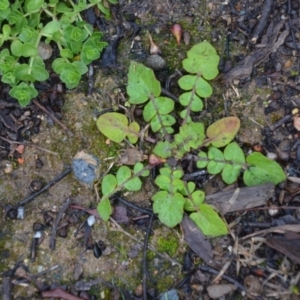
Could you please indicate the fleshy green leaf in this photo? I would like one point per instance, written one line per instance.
(235, 157)
(104, 209)
(191, 99)
(187, 82)
(16, 48)
(262, 170)
(134, 184)
(113, 125)
(163, 182)
(50, 28)
(139, 167)
(23, 93)
(109, 183)
(141, 83)
(168, 207)
(217, 162)
(33, 5)
(133, 132)
(203, 59)
(230, 173)
(223, 131)
(161, 105)
(203, 88)
(209, 221)
(39, 73)
(195, 201)
(163, 149)
(123, 174)
(202, 163)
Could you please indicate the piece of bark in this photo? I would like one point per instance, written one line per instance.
(272, 39)
(241, 198)
(288, 244)
(196, 240)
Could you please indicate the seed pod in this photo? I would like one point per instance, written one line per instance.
(155, 160)
(177, 32)
(154, 49)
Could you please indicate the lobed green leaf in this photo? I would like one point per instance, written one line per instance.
(169, 207)
(142, 83)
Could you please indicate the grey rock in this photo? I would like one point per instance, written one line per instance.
(86, 167)
(156, 62)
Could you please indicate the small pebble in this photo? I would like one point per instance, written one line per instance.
(156, 62)
(8, 168)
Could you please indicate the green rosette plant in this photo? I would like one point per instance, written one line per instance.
(25, 23)
(213, 149)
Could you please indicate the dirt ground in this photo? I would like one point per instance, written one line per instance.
(260, 99)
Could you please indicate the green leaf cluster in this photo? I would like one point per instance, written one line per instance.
(26, 23)
(125, 178)
(176, 195)
(213, 149)
(144, 88)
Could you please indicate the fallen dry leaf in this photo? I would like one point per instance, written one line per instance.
(196, 240)
(288, 244)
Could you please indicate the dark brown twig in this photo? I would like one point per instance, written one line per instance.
(169, 94)
(145, 271)
(46, 111)
(46, 187)
(258, 30)
(59, 216)
(132, 205)
(280, 122)
(27, 144)
(216, 272)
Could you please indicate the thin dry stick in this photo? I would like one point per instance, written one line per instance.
(27, 144)
(46, 111)
(278, 229)
(46, 187)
